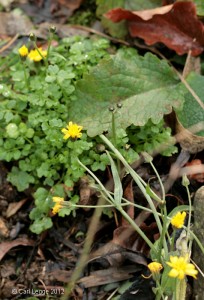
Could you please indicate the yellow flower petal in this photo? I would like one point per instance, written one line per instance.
(23, 51)
(154, 267)
(57, 199)
(58, 204)
(173, 273)
(35, 56)
(178, 220)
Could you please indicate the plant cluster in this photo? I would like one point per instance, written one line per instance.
(36, 96)
(170, 261)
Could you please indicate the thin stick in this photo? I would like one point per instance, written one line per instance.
(9, 43)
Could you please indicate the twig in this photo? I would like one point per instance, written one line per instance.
(101, 34)
(9, 43)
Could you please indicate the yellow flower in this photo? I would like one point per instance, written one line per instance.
(178, 220)
(58, 204)
(57, 199)
(72, 130)
(181, 267)
(35, 56)
(155, 267)
(23, 51)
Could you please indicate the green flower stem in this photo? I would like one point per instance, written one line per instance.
(198, 242)
(163, 213)
(136, 227)
(48, 48)
(190, 213)
(181, 289)
(120, 209)
(172, 241)
(159, 293)
(67, 204)
(36, 47)
(136, 177)
(164, 230)
(104, 190)
(115, 138)
(159, 179)
(25, 75)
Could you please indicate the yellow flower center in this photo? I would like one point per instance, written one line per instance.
(72, 130)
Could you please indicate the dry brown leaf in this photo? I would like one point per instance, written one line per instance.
(177, 26)
(71, 4)
(14, 207)
(6, 246)
(128, 194)
(4, 231)
(11, 24)
(109, 275)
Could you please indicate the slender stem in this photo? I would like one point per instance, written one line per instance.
(181, 289)
(85, 251)
(172, 241)
(137, 179)
(115, 138)
(159, 179)
(36, 47)
(48, 48)
(164, 229)
(159, 293)
(136, 227)
(25, 75)
(190, 213)
(198, 242)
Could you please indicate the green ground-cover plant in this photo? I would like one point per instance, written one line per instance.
(37, 98)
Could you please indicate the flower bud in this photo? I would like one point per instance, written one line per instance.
(32, 37)
(53, 29)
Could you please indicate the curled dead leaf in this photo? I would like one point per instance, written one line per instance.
(6, 246)
(188, 140)
(177, 26)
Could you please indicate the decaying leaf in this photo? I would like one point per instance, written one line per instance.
(6, 246)
(71, 4)
(128, 194)
(14, 207)
(114, 255)
(177, 26)
(4, 231)
(11, 24)
(109, 275)
(194, 167)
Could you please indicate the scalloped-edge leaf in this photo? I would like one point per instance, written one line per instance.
(116, 30)
(192, 113)
(145, 86)
(199, 7)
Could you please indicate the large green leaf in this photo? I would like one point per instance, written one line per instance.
(145, 86)
(142, 5)
(192, 113)
(200, 7)
(118, 30)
